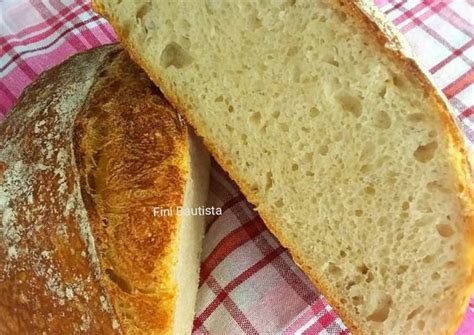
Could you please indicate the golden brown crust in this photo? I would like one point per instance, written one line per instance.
(128, 149)
(84, 154)
(391, 44)
(39, 231)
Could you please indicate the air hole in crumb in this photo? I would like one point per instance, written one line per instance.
(432, 133)
(184, 25)
(229, 128)
(402, 269)
(314, 112)
(269, 181)
(444, 230)
(435, 276)
(220, 98)
(414, 312)
(350, 104)
(382, 221)
(279, 203)
(425, 153)
(338, 136)
(341, 16)
(175, 55)
(362, 269)
(366, 168)
(450, 264)
(357, 300)
(334, 269)
(369, 190)
(358, 212)
(142, 11)
(292, 51)
(209, 9)
(262, 68)
(400, 236)
(305, 129)
(416, 117)
(398, 81)
(420, 324)
(256, 22)
(405, 205)
(294, 167)
(323, 150)
(382, 309)
(276, 114)
(329, 59)
(428, 259)
(253, 188)
(284, 127)
(230, 108)
(119, 281)
(350, 284)
(255, 118)
(370, 277)
(342, 253)
(382, 120)
(309, 173)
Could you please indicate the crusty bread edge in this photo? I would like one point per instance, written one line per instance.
(395, 46)
(181, 150)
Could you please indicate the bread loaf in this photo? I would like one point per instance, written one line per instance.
(331, 129)
(88, 151)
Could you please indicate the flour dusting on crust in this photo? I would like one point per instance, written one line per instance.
(46, 245)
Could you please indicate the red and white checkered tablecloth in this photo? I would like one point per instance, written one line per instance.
(249, 284)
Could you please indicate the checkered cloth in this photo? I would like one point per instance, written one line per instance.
(249, 284)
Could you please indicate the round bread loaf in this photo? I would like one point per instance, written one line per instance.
(87, 152)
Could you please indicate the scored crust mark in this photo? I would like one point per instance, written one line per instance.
(39, 232)
(127, 153)
(82, 155)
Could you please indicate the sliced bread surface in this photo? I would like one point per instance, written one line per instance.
(190, 235)
(335, 134)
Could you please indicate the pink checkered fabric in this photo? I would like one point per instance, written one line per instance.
(249, 284)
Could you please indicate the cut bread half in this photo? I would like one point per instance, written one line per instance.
(88, 155)
(331, 129)
(147, 163)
